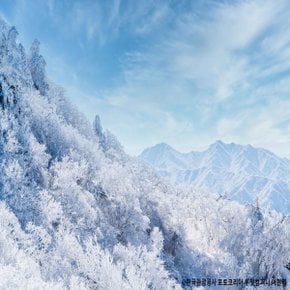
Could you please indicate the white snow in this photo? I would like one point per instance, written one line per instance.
(241, 173)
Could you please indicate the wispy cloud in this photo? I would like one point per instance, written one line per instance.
(105, 20)
(215, 66)
(183, 72)
(213, 52)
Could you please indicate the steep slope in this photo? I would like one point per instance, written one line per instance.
(77, 213)
(241, 173)
(70, 206)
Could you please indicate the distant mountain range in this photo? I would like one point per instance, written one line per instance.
(241, 173)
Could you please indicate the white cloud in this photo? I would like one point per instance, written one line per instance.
(265, 126)
(220, 61)
(201, 65)
(214, 52)
(218, 70)
(104, 20)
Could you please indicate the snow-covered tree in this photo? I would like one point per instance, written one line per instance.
(37, 68)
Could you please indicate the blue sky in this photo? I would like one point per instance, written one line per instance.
(186, 73)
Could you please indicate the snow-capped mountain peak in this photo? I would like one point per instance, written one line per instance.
(241, 172)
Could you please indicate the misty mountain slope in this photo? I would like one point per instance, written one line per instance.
(241, 173)
(77, 213)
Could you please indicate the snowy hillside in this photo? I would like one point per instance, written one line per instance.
(241, 173)
(77, 213)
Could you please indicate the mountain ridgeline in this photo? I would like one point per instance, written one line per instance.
(242, 173)
(76, 212)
